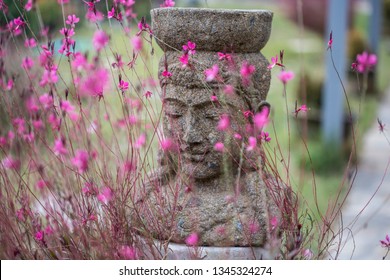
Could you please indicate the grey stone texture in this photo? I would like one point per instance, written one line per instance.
(193, 76)
(225, 198)
(238, 31)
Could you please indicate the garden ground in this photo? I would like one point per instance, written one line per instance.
(372, 178)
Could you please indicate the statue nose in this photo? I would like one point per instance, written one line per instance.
(192, 130)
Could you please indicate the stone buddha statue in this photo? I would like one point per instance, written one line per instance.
(220, 193)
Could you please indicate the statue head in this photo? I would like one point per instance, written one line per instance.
(193, 109)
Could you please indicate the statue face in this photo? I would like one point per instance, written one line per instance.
(191, 119)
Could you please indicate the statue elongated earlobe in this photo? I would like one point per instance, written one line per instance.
(261, 106)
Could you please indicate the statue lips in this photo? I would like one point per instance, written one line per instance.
(194, 155)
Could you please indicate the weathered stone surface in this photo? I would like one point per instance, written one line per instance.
(193, 75)
(223, 197)
(238, 31)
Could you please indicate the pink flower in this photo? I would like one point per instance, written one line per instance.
(261, 119)
(128, 166)
(137, 43)
(105, 196)
(123, 85)
(248, 113)
(167, 4)
(95, 83)
(140, 141)
(386, 242)
(330, 42)
(72, 20)
(252, 142)
(54, 121)
(89, 189)
(3, 141)
(45, 56)
(29, 137)
(246, 72)
(143, 26)
(80, 161)
(39, 235)
(41, 184)
(18, 23)
(167, 74)
(133, 119)
(66, 106)
(10, 84)
(134, 103)
(100, 40)
(225, 56)
(49, 76)
(59, 147)
(20, 214)
(118, 63)
(167, 144)
(46, 100)
(302, 108)
(31, 105)
(286, 76)
(274, 223)
(30, 43)
(90, 5)
(365, 62)
(27, 63)
(214, 98)
(44, 31)
(10, 163)
(29, 5)
(237, 136)
(79, 61)
(190, 48)
(11, 135)
(148, 94)
(274, 61)
(128, 253)
(184, 60)
(254, 227)
(111, 13)
(48, 230)
(307, 254)
(94, 17)
(265, 136)
(219, 147)
(192, 239)
(224, 123)
(228, 89)
(20, 125)
(67, 32)
(211, 73)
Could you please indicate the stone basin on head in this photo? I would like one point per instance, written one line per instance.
(217, 30)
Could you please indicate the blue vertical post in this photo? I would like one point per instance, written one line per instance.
(375, 27)
(374, 33)
(333, 96)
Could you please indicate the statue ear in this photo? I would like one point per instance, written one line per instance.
(261, 106)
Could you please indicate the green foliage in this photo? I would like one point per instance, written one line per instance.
(325, 158)
(51, 15)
